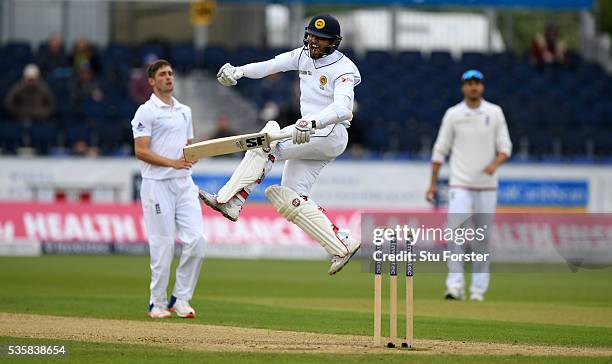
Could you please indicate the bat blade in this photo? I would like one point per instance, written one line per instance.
(227, 145)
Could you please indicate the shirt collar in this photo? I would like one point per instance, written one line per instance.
(159, 103)
(468, 109)
(328, 59)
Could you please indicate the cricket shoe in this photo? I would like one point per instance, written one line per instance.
(454, 294)
(158, 311)
(479, 297)
(231, 209)
(337, 263)
(181, 308)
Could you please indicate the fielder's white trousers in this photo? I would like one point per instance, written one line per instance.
(304, 162)
(172, 211)
(463, 203)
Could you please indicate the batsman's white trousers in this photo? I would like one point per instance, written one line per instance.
(304, 162)
(172, 210)
(462, 203)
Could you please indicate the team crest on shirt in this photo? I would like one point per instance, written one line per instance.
(319, 23)
(322, 81)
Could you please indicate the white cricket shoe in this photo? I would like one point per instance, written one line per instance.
(231, 209)
(181, 308)
(477, 297)
(454, 294)
(158, 311)
(337, 263)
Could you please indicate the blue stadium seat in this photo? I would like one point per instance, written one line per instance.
(43, 136)
(377, 58)
(183, 57)
(151, 48)
(10, 136)
(410, 57)
(603, 147)
(109, 137)
(125, 109)
(441, 58)
(19, 52)
(244, 55)
(214, 57)
(74, 133)
(574, 144)
(473, 60)
(93, 110)
(118, 53)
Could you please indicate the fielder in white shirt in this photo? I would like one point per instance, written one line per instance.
(327, 79)
(475, 134)
(162, 126)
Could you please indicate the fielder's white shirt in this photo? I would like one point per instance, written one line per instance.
(472, 137)
(169, 128)
(323, 81)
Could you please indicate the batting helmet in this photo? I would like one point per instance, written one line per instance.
(324, 26)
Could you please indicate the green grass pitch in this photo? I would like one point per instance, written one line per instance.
(557, 308)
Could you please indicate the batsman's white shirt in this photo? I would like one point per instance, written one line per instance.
(169, 128)
(170, 204)
(322, 81)
(472, 137)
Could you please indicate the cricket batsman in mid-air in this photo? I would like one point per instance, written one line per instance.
(327, 80)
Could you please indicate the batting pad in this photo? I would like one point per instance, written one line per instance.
(307, 217)
(251, 170)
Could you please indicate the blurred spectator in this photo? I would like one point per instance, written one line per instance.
(83, 55)
(139, 88)
(82, 149)
(84, 86)
(53, 58)
(548, 48)
(30, 98)
(223, 128)
(270, 111)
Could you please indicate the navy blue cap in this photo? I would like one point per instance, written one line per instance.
(472, 75)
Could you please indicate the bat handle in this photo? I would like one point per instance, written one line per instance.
(283, 134)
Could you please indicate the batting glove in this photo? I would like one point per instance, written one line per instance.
(229, 75)
(302, 131)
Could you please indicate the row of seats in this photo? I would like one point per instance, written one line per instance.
(558, 111)
(48, 138)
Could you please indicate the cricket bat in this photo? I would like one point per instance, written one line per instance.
(232, 144)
